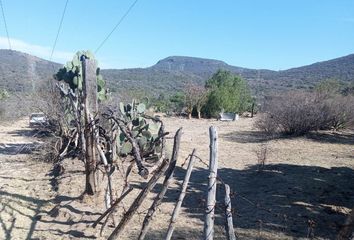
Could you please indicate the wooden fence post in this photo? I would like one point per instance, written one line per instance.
(89, 68)
(213, 168)
(230, 233)
(181, 196)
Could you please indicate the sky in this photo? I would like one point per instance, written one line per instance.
(260, 34)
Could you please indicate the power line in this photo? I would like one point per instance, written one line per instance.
(116, 26)
(7, 31)
(60, 24)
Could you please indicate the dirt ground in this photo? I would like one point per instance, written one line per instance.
(305, 188)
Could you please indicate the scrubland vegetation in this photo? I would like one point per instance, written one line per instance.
(299, 112)
(320, 118)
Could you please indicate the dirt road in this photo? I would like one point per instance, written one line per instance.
(25, 190)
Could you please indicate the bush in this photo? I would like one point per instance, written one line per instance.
(296, 113)
(226, 92)
(341, 112)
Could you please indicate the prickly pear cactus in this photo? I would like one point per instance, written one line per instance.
(71, 73)
(145, 131)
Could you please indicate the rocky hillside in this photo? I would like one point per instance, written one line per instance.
(23, 72)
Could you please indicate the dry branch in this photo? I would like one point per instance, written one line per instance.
(114, 205)
(107, 170)
(143, 171)
(181, 197)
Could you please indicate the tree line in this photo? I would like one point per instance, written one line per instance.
(224, 91)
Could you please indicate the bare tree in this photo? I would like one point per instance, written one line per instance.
(196, 97)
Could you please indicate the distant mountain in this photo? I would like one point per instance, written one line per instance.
(198, 66)
(169, 75)
(173, 72)
(23, 72)
(341, 69)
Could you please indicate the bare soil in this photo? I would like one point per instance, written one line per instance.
(306, 187)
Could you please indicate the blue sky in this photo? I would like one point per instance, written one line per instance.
(270, 34)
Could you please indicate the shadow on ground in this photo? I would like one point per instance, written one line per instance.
(332, 137)
(30, 132)
(293, 200)
(23, 148)
(11, 203)
(320, 136)
(18, 148)
(247, 137)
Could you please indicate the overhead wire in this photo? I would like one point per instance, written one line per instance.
(116, 26)
(59, 28)
(6, 29)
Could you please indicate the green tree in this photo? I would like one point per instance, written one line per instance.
(227, 92)
(177, 102)
(168, 104)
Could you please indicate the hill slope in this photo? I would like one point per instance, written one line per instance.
(339, 68)
(173, 72)
(23, 72)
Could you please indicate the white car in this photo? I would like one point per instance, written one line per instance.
(37, 119)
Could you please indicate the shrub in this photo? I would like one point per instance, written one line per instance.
(262, 155)
(341, 112)
(195, 98)
(296, 113)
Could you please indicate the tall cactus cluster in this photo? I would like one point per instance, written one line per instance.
(71, 73)
(144, 131)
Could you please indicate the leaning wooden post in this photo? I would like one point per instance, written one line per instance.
(228, 215)
(89, 68)
(181, 196)
(139, 200)
(213, 168)
(168, 178)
